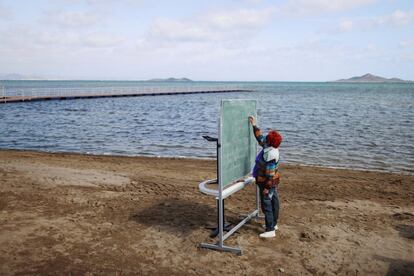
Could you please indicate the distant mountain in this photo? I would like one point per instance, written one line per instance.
(19, 77)
(171, 80)
(372, 78)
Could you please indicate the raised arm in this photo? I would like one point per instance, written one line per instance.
(257, 133)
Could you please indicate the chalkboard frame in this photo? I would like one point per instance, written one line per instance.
(222, 185)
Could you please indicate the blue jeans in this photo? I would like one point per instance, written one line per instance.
(270, 207)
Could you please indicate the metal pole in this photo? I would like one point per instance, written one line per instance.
(221, 221)
(4, 95)
(220, 186)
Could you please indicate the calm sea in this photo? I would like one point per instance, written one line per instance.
(361, 126)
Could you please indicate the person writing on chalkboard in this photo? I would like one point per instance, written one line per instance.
(267, 177)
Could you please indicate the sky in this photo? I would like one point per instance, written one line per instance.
(227, 40)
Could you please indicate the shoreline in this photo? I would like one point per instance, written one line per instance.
(286, 163)
(68, 213)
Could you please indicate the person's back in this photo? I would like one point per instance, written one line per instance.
(267, 176)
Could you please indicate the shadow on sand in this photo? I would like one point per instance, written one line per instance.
(406, 231)
(397, 266)
(176, 216)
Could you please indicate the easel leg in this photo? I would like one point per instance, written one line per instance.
(219, 245)
(226, 225)
(258, 203)
(238, 251)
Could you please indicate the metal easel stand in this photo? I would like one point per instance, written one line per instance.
(220, 196)
(222, 237)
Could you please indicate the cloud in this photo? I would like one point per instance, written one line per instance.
(5, 12)
(172, 30)
(346, 26)
(103, 3)
(24, 37)
(397, 19)
(313, 7)
(214, 37)
(220, 26)
(100, 40)
(238, 19)
(407, 44)
(254, 2)
(71, 19)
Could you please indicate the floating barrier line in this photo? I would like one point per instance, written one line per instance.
(69, 94)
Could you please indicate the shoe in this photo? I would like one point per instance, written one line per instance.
(268, 234)
(276, 228)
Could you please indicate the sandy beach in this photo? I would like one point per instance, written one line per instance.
(71, 214)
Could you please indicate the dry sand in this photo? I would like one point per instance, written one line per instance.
(69, 214)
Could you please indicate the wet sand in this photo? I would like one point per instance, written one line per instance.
(71, 214)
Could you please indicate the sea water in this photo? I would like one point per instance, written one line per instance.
(360, 126)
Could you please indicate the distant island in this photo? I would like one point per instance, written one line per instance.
(372, 78)
(14, 76)
(171, 80)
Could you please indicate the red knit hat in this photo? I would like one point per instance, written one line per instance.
(274, 139)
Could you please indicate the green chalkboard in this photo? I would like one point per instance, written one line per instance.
(238, 145)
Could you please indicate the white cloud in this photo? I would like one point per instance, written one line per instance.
(100, 40)
(172, 30)
(53, 39)
(67, 19)
(407, 44)
(311, 7)
(238, 19)
(254, 2)
(346, 26)
(24, 37)
(397, 19)
(5, 12)
(218, 26)
(104, 3)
